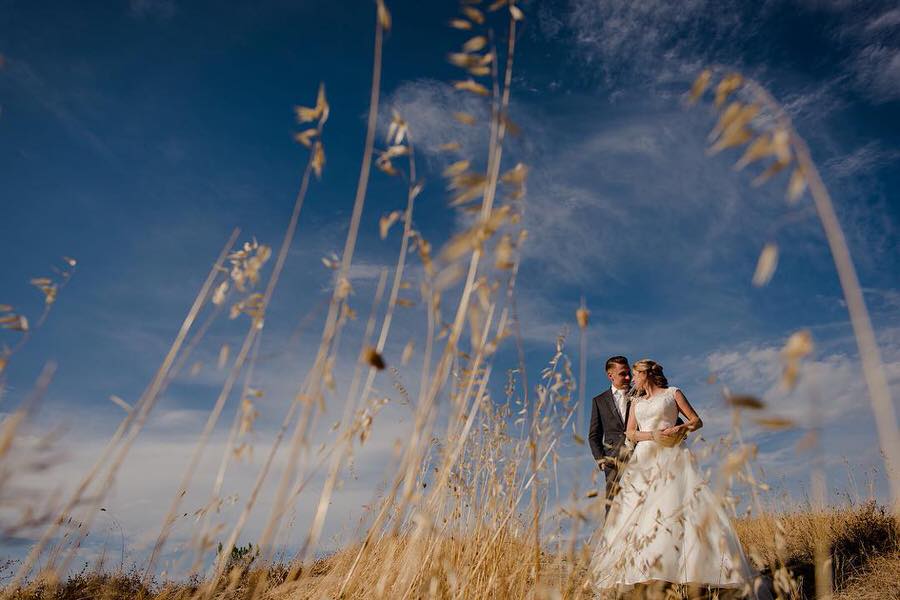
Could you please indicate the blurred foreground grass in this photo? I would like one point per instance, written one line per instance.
(865, 555)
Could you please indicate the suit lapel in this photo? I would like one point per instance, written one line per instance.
(611, 403)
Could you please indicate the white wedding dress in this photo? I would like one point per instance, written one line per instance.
(665, 524)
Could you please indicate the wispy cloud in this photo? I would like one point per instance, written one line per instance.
(876, 68)
(873, 64)
(591, 191)
(657, 41)
(829, 392)
(147, 481)
(428, 107)
(886, 20)
(865, 159)
(49, 96)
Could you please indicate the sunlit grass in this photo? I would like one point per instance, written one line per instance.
(469, 516)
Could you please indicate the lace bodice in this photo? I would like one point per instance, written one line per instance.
(658, 411)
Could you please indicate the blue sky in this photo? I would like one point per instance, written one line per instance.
(135, 135)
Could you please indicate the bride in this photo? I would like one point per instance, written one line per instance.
(665, 524)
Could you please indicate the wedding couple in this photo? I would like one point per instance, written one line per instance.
(663, 524)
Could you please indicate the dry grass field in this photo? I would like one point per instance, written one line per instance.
(476, 531)
(865, 555)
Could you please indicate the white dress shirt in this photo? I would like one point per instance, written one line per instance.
(621, 400)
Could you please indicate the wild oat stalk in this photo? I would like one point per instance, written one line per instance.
(133, 423)
(453, 521)
(778, 141)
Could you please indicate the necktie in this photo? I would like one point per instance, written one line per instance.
(618, 398)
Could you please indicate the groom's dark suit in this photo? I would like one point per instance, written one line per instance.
(607, 438)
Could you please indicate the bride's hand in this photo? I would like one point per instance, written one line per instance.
(667, 440)
(674, 430)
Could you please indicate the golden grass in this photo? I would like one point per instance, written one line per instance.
(465, 517)
(855, 536)
(865, 554)
(877, 581)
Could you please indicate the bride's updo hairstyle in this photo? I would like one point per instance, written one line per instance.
(653, 370)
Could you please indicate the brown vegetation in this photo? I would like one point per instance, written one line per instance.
(865, 554)
(465, 513)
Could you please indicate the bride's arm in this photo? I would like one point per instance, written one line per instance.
(631, 430)
(693, 422)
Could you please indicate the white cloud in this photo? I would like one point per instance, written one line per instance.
(428, 106)
(146, 483)
(180, 419)
(830, 393)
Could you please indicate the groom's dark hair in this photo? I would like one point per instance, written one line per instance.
(615, 360)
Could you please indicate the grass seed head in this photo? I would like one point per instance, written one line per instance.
(775, 423)
(475, 44)
(582, 316)
(766, 265)
(305, 137)
(384, 16)
(798, 346)
(470, 85)
(120, 403)
(460, 24)
(219, 295)
(318, 161)
(728, 85)
(224, 352)
(343, 288)
(397, 130)
(14, 322)
(386, 221)
(464, 118)
(407, 352)
(700, 85)
(457, 168)
(750, 402)
(504, 253)
(797, 185)
(475, 15)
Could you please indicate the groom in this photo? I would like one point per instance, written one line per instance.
(609, 415)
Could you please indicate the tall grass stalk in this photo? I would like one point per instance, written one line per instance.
(132, 423)
(466, 509)
(807, 174)
(311, 387)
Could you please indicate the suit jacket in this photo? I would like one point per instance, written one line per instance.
(607, 432)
